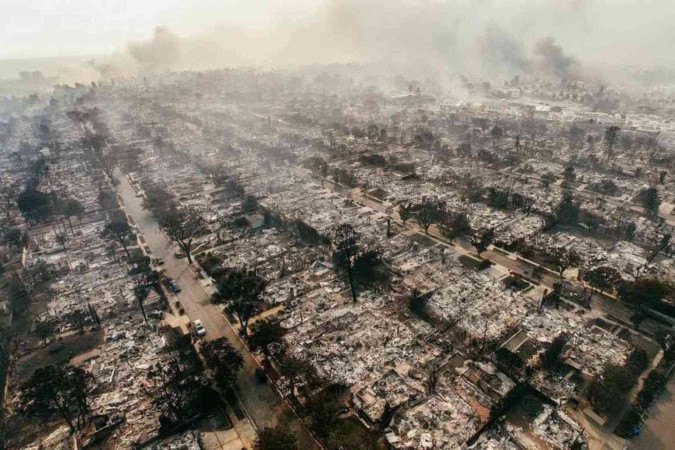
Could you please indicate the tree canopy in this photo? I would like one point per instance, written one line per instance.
(57, 391)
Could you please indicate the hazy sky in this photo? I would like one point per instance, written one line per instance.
(621, 31)
(30, 28)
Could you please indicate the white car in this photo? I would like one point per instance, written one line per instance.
(199, 328)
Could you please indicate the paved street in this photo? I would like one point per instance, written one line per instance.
(260, 402)
(658, 432)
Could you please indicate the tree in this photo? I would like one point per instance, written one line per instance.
(369, 270)
(78, 319)
(141, 293)
(36, 206)
(19, 299)
(405, 212)
(265, 335)
(637, 318)
(611, 138)
(323, 410)
(317, 165)
(604, 278)
(44, 329)
(482, 241)
(662, 176)
(497, 133)
(157, 198)
(418, 303)
(296, 370)
(650, 200)
(509, 362)
(14, 238)
(349, 435)
(242, 290)
(645, 292)
(277, 438)
(569, 175)
(249, 204)
(39, 274)
(567, 211)
(107, 199)
(608, 392)
(455, 225)
(62, 238)
(346, 249)
(551, 355)
(576, 135)
(174, 391)
(119, 230)
(69, 208)
(8, 194)
(638, 361)
(57, 391)
(223, 360)
(428, 213)
(563, 258)
(182, 225)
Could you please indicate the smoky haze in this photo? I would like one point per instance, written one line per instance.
(485, 38)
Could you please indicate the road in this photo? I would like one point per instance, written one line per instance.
(658, 432)
(262, 404)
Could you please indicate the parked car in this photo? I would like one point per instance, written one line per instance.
(158, 261)
(199, 328)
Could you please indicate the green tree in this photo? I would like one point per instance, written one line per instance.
(182, 225)
(265, 335)
(650, 200)
(36, 206)
(296, 370)
(645, 292)
(428, 213)
(242, 290)
(370, 271)
(455, 225)
(551, 356)
(567, 211)
(174, 391)
(14, 238)
(604, 278)
(277, 438)
(19, 299)
(608, 392)
(563, 258)
(569, 175)
(44, 329)
(222, 359)
(118, 229)
(57, 391)
(496, 133)
(405, 212)
(482, 241)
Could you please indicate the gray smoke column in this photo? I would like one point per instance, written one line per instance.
(161, 51)
(550, 59)
(500, 53)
